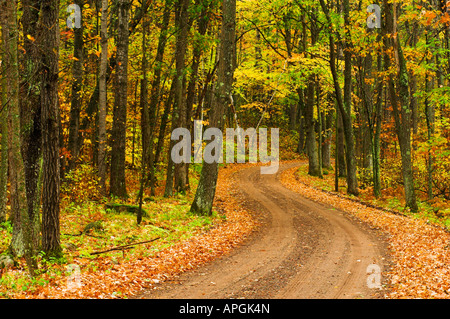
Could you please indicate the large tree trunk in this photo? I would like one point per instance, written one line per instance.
(102, 105)
(30, 111)
(22, 242)
(49, 44)
(117, 179)
(204, 197)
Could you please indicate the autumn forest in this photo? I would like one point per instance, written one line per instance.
(91, 91)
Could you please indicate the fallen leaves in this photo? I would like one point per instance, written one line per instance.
(420, 251)
(126, 276)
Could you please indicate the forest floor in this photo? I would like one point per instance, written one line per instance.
(419, 245)
(185, 242)
(320, 245)
(302, 249)
(277, 236)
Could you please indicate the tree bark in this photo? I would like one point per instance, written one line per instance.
(301, 120)
(102, 105)
(4, 154)
(22, 243)
(352, 182)
(150, 116)
(202, 27)
(344, 100)
(204, 196)
(311, 144)
(118, 134)
(30, 110)
(180, 99)
(76, 100)
(327, 120)
(49, 44)
(400, 101)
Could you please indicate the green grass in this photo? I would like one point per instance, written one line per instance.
(168, 218)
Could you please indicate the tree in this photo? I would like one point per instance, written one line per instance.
(48, 42)
(343, 99)
(22, 243)
(398, 88)
(149, 116)
(118, 134)
(204, 196)
(4, 155)
(76, 100)
(30, 110)
(314, 168)
(179, 109)
(102, 105)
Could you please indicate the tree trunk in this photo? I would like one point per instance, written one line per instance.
(118, 134)
(93, 101)
(430, 119)
(22, 241)
(4, 138)
(311, 144)
(342, 167)
(327, 120)
(180, 100)
(4, 155)
(161, 137)
(49, 44)
(301, 120)
(76, 101)
(376, 134)
(372, 114)
(102, 105)
(204, 197)
(149, 132)
(319, 131)
(400, 101)
(352, 182)
(30, 111)
(202, 27)
(344, 100)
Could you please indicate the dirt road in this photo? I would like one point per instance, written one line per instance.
(303, 250)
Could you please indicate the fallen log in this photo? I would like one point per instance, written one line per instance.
(124, 247)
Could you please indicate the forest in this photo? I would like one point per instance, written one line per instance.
(91, 91)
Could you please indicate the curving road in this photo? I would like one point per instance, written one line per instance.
(303, 250)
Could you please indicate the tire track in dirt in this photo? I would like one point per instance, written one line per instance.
(302, 250)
